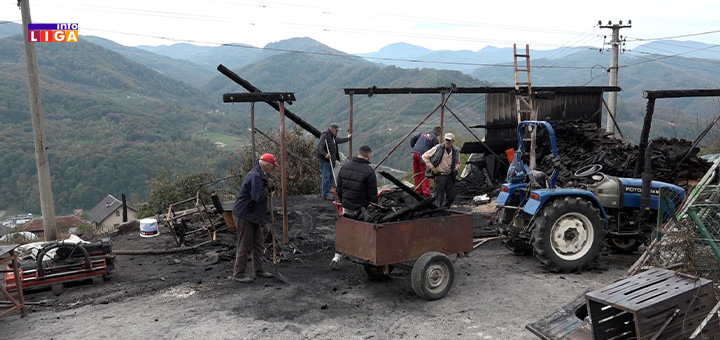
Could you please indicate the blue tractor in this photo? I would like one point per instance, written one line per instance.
(566, 228)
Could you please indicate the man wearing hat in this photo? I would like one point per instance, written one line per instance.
(442, 162)
(250, 213)
(328, 153)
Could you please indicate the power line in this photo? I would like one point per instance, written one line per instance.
(670, 56)
(678, 36)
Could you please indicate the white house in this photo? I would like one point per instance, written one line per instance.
(107, 215)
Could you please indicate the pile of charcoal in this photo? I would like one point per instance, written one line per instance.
(579, 145)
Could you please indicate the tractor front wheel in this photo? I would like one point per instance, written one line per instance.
(568, 234)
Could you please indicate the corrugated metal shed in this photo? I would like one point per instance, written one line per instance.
(570, 104)
(501, 113)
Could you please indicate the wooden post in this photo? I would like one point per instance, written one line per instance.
(442, 119)
(350, 153)
(47, 204)
(252, 124)
(283, 173)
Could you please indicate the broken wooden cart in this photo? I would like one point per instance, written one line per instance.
(420, 246)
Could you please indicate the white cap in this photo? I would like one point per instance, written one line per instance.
(449, 136)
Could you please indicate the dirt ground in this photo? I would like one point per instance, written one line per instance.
(187, 295)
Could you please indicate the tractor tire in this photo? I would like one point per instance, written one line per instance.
(568, 234)
(432, 276)
(624, 244)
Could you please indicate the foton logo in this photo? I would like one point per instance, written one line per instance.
(52, 32)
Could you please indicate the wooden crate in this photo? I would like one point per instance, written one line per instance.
(636, 307)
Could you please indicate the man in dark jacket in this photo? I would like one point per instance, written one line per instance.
(250, 213)
(356, 188)
(421, 144)
(357, 184)
(328, 153)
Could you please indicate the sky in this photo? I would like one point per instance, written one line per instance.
(367, 26)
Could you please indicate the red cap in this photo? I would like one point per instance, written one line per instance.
(268, 157)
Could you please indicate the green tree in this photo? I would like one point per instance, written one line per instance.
(303, 169)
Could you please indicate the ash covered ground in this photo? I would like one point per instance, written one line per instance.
(188, 294)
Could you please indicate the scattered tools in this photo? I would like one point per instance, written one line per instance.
(272, 231)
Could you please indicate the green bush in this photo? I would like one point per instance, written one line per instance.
(302, 167)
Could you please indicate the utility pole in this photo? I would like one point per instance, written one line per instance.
(47, 204)
(612, 96)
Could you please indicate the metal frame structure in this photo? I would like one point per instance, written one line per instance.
(279, 98)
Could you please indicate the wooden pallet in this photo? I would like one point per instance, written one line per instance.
(638, 307)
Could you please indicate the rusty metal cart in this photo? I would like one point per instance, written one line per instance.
(421, 246)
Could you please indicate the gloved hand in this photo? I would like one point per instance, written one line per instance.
(435, 170)
(271, 185)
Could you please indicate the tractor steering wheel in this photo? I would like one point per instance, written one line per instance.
(588, 170)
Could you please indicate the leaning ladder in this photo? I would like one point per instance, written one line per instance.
(523, 99)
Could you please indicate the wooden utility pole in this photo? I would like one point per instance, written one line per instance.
(615, 51)
(47, 204)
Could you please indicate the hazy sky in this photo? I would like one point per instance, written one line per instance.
(368, 25)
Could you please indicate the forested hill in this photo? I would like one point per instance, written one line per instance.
(111, 124)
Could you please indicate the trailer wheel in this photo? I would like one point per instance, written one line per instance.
(568, 234)
(432, 276)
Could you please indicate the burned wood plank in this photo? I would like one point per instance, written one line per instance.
(258, 97)
(245, 84)
(681, 93)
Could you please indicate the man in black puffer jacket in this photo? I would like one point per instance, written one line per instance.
(357, 184)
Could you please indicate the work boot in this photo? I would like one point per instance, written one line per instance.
(243, 279)
(264, 274)
(335, 261)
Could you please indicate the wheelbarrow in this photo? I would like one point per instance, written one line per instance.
(421, 246)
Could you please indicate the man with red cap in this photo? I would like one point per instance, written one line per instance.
(250, 213)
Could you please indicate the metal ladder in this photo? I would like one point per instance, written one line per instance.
(523, 99)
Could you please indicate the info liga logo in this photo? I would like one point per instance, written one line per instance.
(53, 32)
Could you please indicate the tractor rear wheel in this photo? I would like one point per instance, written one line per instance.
(568, 234)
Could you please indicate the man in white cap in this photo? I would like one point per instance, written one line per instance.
(250, 213)
(442, 162)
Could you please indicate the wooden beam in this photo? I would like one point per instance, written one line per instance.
(426, 90)
(258, 97)
(246, 84)
(681, 93)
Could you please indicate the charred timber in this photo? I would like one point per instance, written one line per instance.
(258, 97)
(245, 84)
(681, 93)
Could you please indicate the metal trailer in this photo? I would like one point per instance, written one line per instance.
(420, 246)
